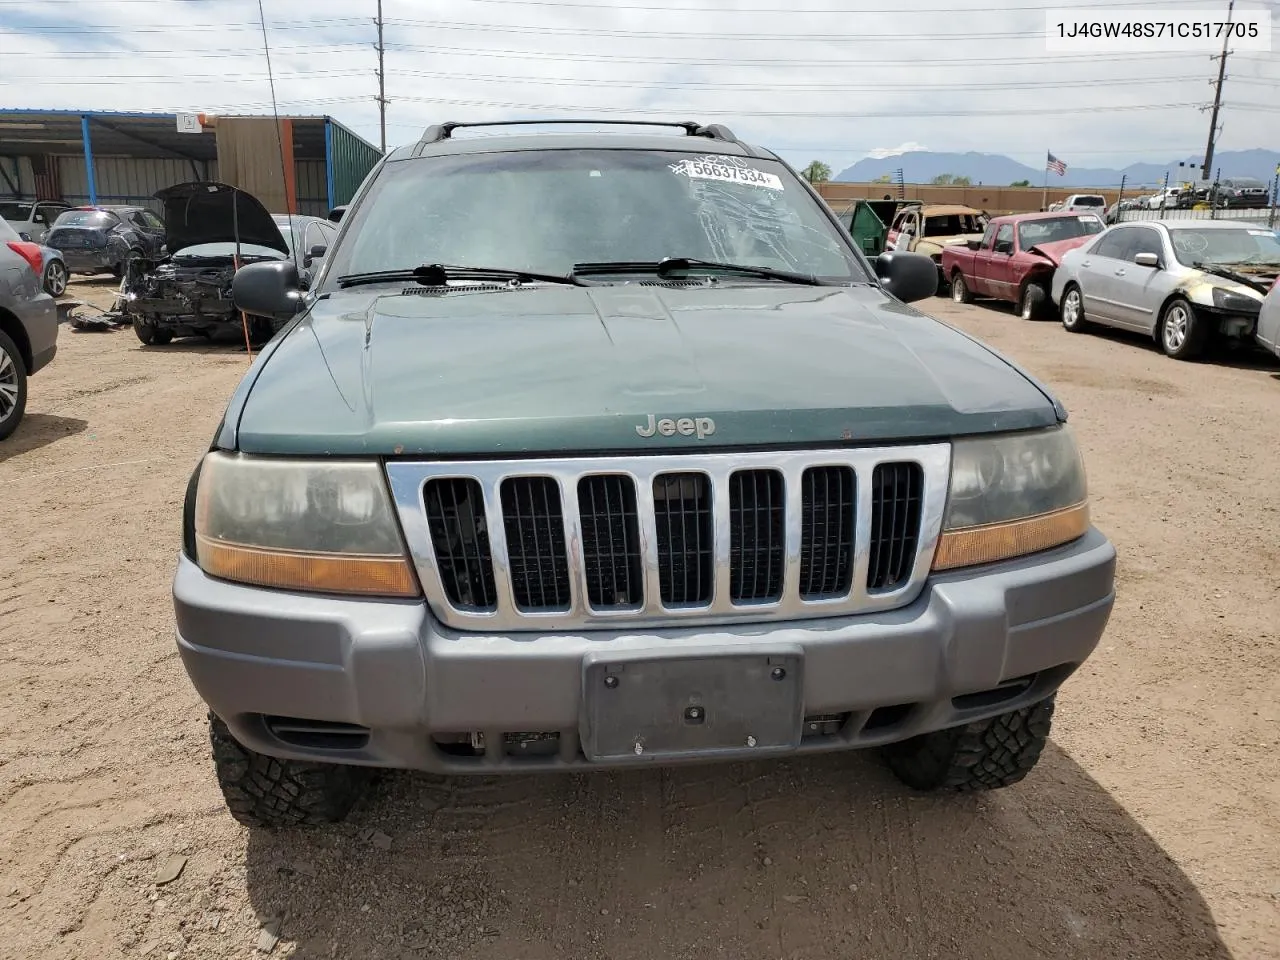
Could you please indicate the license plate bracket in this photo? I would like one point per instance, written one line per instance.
(693, 706)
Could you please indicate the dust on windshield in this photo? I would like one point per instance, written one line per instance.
(546, 210)
(1248, 245)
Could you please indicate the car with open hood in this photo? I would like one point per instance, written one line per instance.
(212, 229)
(1016, 258)
(1181, 282)
(600, 449)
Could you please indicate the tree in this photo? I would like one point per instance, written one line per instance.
(950, 180)
(1020, 183)
(883, 178)
(816, 172)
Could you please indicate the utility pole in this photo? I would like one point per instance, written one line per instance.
(1217, 97)
(382, 83)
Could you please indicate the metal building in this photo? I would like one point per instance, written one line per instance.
(306, 165)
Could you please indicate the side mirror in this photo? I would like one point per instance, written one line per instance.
(1004, 246)
(973, 244)
(1146, 260)
(907, 276)
(268, 289)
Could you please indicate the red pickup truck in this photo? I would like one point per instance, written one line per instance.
(1016, 257)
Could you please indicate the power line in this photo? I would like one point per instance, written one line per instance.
(568, 4)
(382, 82)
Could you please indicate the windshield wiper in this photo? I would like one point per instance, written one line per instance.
(1223, 270)
(669, 265)
(437, 274)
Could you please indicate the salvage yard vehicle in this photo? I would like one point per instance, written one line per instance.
(1182, 282)
(928, 228)
(597, 450)
(1016, 258)
(31, 219)
(106, 238)
(1084, 203)
(28, 324)
(212, 227)
(1233, 192)
(1268, 334)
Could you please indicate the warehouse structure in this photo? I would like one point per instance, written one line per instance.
(305, 165)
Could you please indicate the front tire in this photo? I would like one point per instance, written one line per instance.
(55, 278)
(1031, 303)
(983, 755)
(1072, 311)
(959, 291)
(263, 791)
(150, 334)
(1183, 334)
(13, 386)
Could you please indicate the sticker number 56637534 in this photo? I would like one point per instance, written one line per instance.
(703, 170)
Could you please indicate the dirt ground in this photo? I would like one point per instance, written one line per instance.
(1150, 830)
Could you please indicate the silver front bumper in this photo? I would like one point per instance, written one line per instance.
(397, 673)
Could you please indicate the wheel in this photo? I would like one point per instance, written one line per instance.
(983, 755)
(959, 291)
(1031, 303)
(1073, 318)
(150, 334)
(263, 791)
(13, 385)
(1183, 335)
(55, 278)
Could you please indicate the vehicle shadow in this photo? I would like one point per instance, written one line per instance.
(814, 858)
(39, 430)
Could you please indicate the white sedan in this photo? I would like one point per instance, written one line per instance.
(1269, 320)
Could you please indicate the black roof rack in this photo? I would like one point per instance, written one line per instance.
(715, 131)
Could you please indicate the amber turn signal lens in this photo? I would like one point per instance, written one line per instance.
(970, 546)
(312, 572)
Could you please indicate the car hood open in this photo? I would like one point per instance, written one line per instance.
(572, 369)
(210, 212)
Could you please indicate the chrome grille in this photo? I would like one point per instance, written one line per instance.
(651, 540)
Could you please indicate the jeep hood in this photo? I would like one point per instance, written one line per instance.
(209, 212)
(553, 370)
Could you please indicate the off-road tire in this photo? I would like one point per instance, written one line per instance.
(1031, 306)
(983, 755)
(263, 791)
(959, 289)
(13, 374)
(151, 335)
(1196, 330)
(1080, 323)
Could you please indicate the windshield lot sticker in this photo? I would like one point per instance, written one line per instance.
(725, 171)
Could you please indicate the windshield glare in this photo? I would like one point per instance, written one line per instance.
(85, 218)
(544, 211)
(1246, 245)
(1031, 232)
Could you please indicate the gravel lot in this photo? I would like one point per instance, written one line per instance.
(1150, 830)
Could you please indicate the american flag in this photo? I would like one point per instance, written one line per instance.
(1056, 165)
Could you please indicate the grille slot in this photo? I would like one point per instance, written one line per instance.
(534, 522)
(610, 541)
(456, 521)
(757, 535)
(827, 498)
(682, 515)
(897, 494)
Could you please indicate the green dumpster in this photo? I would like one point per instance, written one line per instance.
(868, 223)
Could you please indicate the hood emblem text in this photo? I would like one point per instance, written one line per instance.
(700, 427)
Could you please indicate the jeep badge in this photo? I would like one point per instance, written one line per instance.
(701, 427)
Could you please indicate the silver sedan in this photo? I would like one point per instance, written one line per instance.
(1180, 282)
(1269, 321)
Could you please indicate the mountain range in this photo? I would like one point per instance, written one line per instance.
(921, 166)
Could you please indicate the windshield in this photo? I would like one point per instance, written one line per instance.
(15, 211)
(1088, 202)
(1031, 232)
(227, 250)
(545, 210)
(86, 218)
(1229, 246)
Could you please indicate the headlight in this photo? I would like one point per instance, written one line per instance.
(1237, 302)
(1012, 495)
(325, 526)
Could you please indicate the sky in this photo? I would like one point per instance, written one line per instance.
(829, 80)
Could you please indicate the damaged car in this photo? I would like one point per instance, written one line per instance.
(213, 229)
(1183, 283)
(930, 228)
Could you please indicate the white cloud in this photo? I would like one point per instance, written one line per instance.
(813, 82)
(879, 153)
